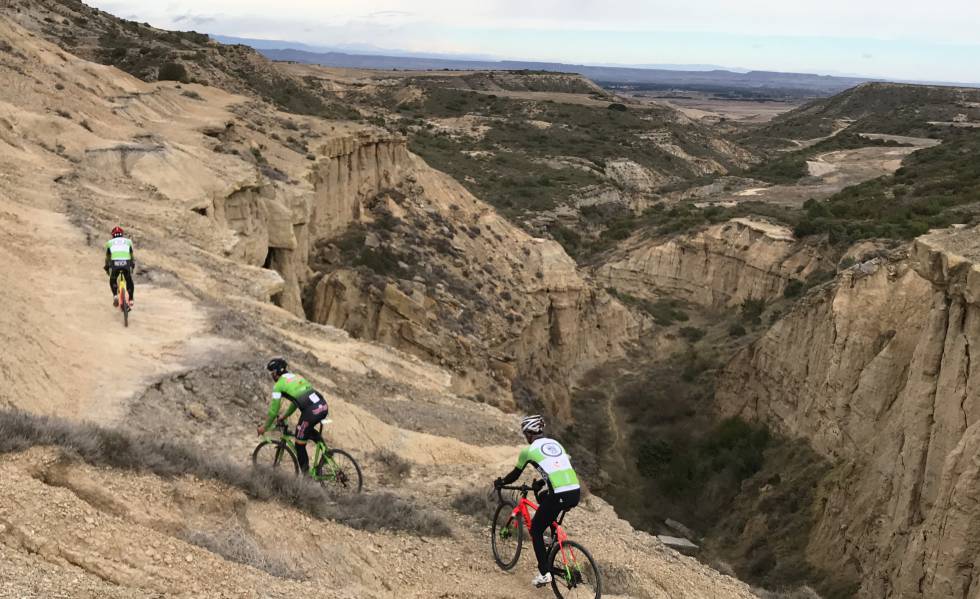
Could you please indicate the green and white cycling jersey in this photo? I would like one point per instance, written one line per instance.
(298, 391)
(551, 462)
(119, 248)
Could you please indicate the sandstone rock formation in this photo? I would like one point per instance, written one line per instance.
(469, 290)
(720, 266)
(190, 364)
(876, 371)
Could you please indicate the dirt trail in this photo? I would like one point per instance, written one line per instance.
(102, 532)
(832, 171)
(58, 318)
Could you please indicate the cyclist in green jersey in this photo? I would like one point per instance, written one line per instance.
(563, 493)
(303, 397)
(119, 258)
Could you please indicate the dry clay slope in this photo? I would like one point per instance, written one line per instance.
(84, 146)
(877, 372)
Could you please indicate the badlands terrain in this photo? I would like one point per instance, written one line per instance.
(756, 324)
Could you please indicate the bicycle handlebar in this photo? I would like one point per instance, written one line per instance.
(523, 489)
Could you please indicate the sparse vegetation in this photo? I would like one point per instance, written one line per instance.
(692, 334)
(732, 450)
(791, 167)
(663, 311)
(793, 289)
(394, 467)
(751, 311)
(113, 448)
(475, 503)
(173, 71)
(935, 187)
(235, 544)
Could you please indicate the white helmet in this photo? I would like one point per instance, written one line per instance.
(532, 425)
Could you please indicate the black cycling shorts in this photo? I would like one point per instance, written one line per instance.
(305, 429)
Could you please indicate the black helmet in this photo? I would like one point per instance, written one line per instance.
(277, 366)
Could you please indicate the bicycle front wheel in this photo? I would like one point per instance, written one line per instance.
(339, 471)
(574, 574)
(506, 536)
(276, 455)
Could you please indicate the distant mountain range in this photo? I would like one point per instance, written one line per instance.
(714, 80)
(653, 77)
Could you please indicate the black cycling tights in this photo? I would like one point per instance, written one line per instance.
(549, 506)
(303, 457)
(128, 275)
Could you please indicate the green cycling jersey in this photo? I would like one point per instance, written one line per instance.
(294, 388)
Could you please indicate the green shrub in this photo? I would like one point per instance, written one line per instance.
(173, 71)
(793, 289)
(736, 330)
(692, 334)
(751, 310)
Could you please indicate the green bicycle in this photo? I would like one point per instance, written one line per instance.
(332, 468)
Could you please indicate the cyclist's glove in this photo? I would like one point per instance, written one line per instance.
(498, 483)
(537, 485)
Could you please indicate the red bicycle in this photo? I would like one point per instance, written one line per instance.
(573, 571)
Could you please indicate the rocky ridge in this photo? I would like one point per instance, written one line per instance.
(720, 266)
(876, 372)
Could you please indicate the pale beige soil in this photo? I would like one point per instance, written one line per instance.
(831, 172)
(701, 106)
(203, 318)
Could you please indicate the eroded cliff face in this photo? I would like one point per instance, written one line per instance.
(454, 283)
(877, 373)
(720, 266)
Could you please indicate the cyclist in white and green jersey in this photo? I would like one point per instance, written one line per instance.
(551, 461)
(120, 258)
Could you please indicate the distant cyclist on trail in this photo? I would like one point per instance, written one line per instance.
(119, 258)
(553, 464)
(302, 396)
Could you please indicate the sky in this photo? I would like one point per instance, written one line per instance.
(894, 39)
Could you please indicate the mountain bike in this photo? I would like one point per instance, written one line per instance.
(123, 291)
(574, 573)
(332, 468)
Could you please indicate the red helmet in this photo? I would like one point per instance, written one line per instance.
(117, 232)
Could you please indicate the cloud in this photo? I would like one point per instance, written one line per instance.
(903, 38)
(195, 20)
(937, 21)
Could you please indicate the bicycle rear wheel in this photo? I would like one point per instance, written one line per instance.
(277, 455)
(339, 471)
(506, 536)
(574, 574)
(124, 305)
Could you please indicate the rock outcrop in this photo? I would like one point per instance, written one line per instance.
(461, 286)
(877, 373)
(720, 266)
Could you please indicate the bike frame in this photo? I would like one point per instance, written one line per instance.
(290, 440)
(122, 288)
(522, 511)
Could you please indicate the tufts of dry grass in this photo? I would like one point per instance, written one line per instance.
(102, 446)
(235, 544)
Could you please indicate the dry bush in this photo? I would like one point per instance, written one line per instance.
(476, 503)
(101, 446)
(236, 545)
(394, 467)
